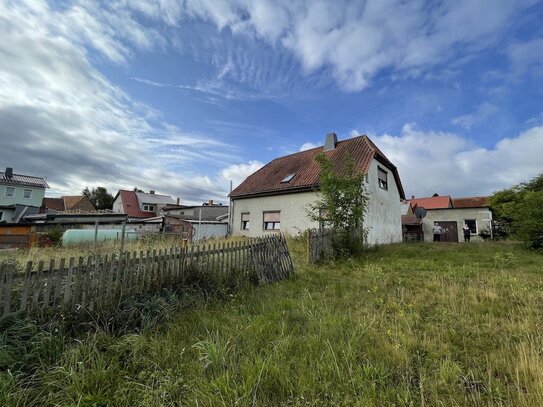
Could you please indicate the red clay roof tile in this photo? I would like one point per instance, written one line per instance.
(267, 180)
(433, 202)
(131, 206)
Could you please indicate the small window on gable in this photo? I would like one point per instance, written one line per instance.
(288, 178)
(272, 220)
(27, 194)
(382, 175)
(148, 208)
(245, 221)
(10, 191)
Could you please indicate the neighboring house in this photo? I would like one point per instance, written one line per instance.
(277, 196)
(18, 193)
(452, 214)
(140, 205)
(208, 211)
(74, 203)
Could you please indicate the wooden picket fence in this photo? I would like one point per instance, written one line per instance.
(319, 245)
(98, 283)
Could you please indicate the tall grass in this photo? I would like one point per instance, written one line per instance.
(417, 324)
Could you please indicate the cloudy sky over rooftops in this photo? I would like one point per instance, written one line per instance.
(181, 97)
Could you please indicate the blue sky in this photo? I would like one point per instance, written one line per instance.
(182, 97)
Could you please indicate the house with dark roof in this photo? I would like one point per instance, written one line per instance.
(19, 194)
(452, 214)
(140, 205)
(277, 196)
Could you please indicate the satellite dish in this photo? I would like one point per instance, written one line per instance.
(420, 212)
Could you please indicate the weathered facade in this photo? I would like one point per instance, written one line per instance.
(263, 205)
(19, 190)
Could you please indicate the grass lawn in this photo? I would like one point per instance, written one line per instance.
(418, 324)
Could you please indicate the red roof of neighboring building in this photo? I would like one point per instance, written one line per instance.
(433, 202)
(131, 206)
(56, 204)
(471, 202)
(268, 179)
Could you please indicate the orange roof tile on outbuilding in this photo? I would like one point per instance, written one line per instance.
(268, 179)
(433, 202)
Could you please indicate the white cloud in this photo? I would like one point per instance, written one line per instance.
(481, 113)
(238, 172)
(359, 39)
(449, 164)
(61, 118)
(526, 57)
(308, 146)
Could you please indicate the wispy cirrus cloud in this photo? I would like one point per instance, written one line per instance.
(482, 112)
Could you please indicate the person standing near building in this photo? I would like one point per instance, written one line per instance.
(437, 230)
(467, 233)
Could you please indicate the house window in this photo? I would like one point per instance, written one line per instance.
(383, 178)
(288, 178)
(10, 191)
(272, 220)
(472, 225)
(27, 194)
(1, 216)
(149, 208)
(245, 221)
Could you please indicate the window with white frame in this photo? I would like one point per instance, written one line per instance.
(245, 221)
(10, 191)
(27, 194)
(382, 175)
(149, 208)
(472, 225)
(272, 220)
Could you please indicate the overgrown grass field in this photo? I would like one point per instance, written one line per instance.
(407, 324)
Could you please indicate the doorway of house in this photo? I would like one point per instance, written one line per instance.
(450, 231)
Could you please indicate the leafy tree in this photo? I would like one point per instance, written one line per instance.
(342, 203)
(518, 212)
(99, 197)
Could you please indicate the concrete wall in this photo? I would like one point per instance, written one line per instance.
(209, 230)
(294, 218)
(481, 215)
(382, 220)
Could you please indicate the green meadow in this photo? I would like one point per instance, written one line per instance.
(402, 325)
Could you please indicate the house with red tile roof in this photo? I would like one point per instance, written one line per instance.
(452, 214)
(140, 205)
(67, 203)
(277, 196)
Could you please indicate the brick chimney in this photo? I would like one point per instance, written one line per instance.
(330, 141)
(152, 192)
(210, 202)
(9, 172)
(177, 201)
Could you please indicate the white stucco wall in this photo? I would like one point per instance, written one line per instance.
(382, 220)
(294, 218)
(458, 215)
